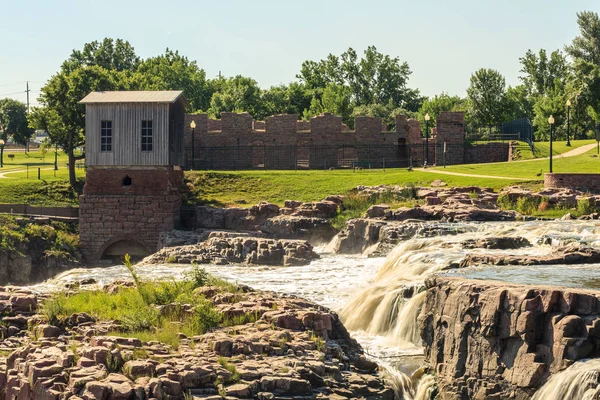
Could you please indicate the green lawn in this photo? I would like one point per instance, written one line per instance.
(588, 162)
(542, 149)
(249, 187)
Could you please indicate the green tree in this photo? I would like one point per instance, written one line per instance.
(487, 97)
(552, 103)
(172, 71)
(373, 79)
(437, 104)
(110, 54)
(585, 52)
(519, 102)
(337, 99)
(540, 72)
(316, 108)
(13, 122)
(237, 94)
(285, 99)
(62, 116)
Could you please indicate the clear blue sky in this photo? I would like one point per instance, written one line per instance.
(443, 41)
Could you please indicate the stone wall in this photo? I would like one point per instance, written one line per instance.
(487, 152)
(495, 340)
(584, 182)
(135, 214)
(283, 142)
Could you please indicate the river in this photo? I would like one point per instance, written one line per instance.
(378, 298)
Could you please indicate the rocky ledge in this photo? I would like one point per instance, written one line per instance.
(494, 340)
(571, 254)
(224, 249)
(293, 350)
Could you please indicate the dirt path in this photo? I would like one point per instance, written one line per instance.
(16, 171)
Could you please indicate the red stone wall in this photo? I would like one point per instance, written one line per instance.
(282, 124)
(368, 125)
(487, 153)
(583, 182)
(302, 125)
(236, 124)
(326, 124)
(111, 213)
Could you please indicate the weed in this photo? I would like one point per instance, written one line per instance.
(235, 376)
(585, 207)
(318, 341)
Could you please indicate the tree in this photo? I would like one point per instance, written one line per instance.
(519, 102)
(337, 100)
(110, 54)
(172, 71)
(487, 97)
(62, 116)
(585, 52)
(13, 120)
(540, 73)
(237, 94)
(373, 79)
(285, 99)
(437, 104)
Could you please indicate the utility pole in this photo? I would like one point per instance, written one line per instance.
(27, 91)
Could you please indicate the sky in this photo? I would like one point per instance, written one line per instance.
(444, 42)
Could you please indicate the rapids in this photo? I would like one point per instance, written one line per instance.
(379, 299)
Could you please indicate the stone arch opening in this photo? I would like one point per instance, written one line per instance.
(258, 155)
(303, 155)
(347, 157)
(116, 249)
(127, 181)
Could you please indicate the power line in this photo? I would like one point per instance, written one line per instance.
(9, 94)
(12, 84)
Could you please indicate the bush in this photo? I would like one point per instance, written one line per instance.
(585, 207)
(528, 205)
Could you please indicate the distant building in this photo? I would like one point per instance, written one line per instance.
(134, 153)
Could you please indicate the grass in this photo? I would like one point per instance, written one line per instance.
(136, 309)
(51, 238)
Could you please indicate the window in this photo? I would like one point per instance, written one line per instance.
(147, 135)
(105, 135)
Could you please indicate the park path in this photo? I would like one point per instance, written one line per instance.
(571, 153)
(16, 171)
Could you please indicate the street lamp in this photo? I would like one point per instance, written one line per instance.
(193, 126)
(2, 151)
(551, 122)
(568, 123)
(427, 118)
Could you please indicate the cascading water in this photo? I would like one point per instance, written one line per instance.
(581, 381)
(380, 299)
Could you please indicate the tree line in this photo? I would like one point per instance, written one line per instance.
(349, 84)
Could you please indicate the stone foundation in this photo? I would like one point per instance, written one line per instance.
(116, 219)
(583, 182)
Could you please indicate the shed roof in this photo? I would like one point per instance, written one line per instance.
(150, 96)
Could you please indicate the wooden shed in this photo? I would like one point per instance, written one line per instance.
(134, 128)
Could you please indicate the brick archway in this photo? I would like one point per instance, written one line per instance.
(119, 246)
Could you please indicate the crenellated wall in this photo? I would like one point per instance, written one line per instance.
(284, 142)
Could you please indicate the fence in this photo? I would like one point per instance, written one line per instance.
(68, 212)
(298, 157)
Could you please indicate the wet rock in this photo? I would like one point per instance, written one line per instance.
(238, 250)
(562, 255)
(501, 339)
(498, 243)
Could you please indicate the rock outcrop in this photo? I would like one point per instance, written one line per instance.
(296, 220)
(494, 340)
(562, 255)
(288, 349)
(237, 249)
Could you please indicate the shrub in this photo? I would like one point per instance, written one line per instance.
(585, 207)
(528, 205)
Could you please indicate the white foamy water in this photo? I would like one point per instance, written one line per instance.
(371, 293)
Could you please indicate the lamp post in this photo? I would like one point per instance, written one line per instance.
(193, 126)
(551, 122)
(569, 123)
(56, 156)
(427, 118)
(1, 150)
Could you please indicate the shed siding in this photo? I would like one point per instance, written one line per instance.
(127, 133)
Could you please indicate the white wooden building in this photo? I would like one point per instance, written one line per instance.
(134, 128)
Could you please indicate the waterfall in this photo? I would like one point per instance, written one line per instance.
(391, 305)
(419, 386)
(581, 381)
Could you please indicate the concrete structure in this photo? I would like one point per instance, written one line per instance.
(134, 150)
